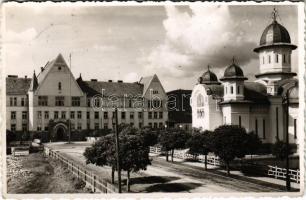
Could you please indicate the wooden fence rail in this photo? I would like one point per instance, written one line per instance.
(92, 180)
(273, 171)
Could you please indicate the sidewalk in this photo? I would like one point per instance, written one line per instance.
(236, 173)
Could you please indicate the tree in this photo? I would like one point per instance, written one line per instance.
(134, 154)
(279, 150)
(172, 139)
(200, 143)
(253, 143)
(228, 142)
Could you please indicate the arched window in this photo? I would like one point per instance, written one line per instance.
(269, 59)
(232, 90)
(59, 86)
(200, 100)
(276, 58)
(238, 89)
(284, 58)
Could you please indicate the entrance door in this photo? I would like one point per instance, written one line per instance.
(60, 133)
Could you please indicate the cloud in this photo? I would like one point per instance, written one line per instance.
(22, 37)
(206, 35)
(131, 77)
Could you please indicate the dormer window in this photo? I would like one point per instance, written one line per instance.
(59, 86)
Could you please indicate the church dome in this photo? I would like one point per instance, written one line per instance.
(233, 72)
(209, 78)
(275, 35)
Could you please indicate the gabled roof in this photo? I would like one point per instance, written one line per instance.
(92, 88)
(146, 82)
(17, 86)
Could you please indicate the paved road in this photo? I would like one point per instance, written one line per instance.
(211, 178)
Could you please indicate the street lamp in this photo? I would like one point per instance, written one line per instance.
(286, 102)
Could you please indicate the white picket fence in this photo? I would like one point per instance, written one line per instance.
(182, 154)
(273, 171)
(278, 172)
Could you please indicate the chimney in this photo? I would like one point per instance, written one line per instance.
(120, 81)
(42, 69)
(93, 80)
(12, 76)
(110, 81)
(25, 76)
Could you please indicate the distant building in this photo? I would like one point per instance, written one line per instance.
(257, 106)
(179, 109)
(49, 101)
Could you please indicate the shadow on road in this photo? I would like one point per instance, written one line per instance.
(153, 179)
(172, 187)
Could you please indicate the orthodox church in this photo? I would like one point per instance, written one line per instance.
(259, 106)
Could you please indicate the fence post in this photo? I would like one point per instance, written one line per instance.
(94, 183)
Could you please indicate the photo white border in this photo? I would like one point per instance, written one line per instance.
(301, 127)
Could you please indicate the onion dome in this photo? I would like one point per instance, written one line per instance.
(208, 78)
(275, 35)
(233, 72)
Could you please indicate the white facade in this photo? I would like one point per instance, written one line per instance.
(257, 106)
(58, 97)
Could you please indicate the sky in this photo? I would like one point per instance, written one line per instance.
(126, 43)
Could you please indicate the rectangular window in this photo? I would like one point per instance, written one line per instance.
(239, 121)
(79, 114)
(63, 115)
(88, 102)
(46, 128)
(22, 102)
(105, 115)
(150, 124)
(130, 103)
(160, 125)
(295, 129)
(24, 127)
(39, 127)
(150, 115)
(105, 126)
(88, 115)
(276, 113)
(160, 115)
(96, 115)
(155, 115)
(11, 101)
(75, 101)
(46, 114)
(38, 114)
(122, 115)
(24, 115)
(97, 102)
(79, 126)
(256, 126)
(13, 115)
(42, 100)
(72, 115)
(131, 115)
(59, 100)
(13, 127)
(72, 126)
(139, 115)
(155, 125)
(15, 101)
(55, 114)
(140, 125)
(264, 129)
(96, 126)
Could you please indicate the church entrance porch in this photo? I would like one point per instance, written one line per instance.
(59, 131)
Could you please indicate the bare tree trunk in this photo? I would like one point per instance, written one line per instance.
(205, 162)
(172, 152)
(128, 181)
(113, 175)
(228, 168)
(167, 156)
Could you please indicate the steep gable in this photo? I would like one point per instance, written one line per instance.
(55, 73)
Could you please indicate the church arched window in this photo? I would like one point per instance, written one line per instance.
(200, 100)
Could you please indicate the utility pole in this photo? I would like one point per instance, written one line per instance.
(117, 150)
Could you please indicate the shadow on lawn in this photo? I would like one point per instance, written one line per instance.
(172, 187)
